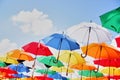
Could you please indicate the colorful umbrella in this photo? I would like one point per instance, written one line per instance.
(83, 67)
(108, 62)
(2, 64)
(89, 73)
(37, 48)
(101, 51)
(111, 20)
(45, 71)
(19, 55)
(61, 42)
(89, 33)
(8, 60)
(71, 58)
(111, 71)
(50, 60)
(61, 69)
(19, 68)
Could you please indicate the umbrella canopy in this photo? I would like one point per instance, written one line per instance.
(117, 39)
(89, 32)
(101, 51)
(71, 57)
(8, 60)
(99, 78)
(83, 67)
(44, 77)
(19, 68)
(111, 71)
(50, 60)
(89, 73)
(114, 77)
(108, 62)
(20, 75)
(45, 71)
(19, 55)
(37, 48)
(61, 69)
(111, 20)
(7, 71)
(61, 42)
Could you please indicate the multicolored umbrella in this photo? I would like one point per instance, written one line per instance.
(19, 55)
(111, 20)
(50, 60)
(61, 42)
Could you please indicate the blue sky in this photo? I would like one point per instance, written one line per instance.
(55, 15)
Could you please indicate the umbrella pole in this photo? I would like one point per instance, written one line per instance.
(87, 44)
(68, 64)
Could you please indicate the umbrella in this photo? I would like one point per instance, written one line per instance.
(108, 62)
(83, 67)
(89, 73)
(61, 69)
(49, 60)
(37, 48)
(61, 42)
(101, 51)
(111, 20)
(8, 60)
(89, 33)
(71, 57)
(2, 64)
(111, 71)
(44, 77)
(7, 71)
(117, 39)
(45, 71)
(19, 68)
(19, 55)
(99, 78)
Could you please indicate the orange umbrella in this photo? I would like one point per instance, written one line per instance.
(101, 50)
(99, 78)
(83, 67)
(19, 55)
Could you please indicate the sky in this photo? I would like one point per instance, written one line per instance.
(24, 21)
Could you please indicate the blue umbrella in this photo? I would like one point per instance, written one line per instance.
(57, 76)
(19, 68)
(20, 75)
(61, 42)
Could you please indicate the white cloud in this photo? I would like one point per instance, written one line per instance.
(6, 45)
(35, 22)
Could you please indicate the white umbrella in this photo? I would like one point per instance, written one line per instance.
(87, 33)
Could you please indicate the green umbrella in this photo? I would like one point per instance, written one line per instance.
(45, 71)
(50, 60)
(89, 73)
(2, 64)
(111, 20)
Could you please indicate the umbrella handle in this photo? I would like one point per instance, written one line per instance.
(83, 56)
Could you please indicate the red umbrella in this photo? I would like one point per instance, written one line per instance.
(37, 48)
(44, 77)
(108, 62)
(115, 77)
(7, 70)
(117, 39)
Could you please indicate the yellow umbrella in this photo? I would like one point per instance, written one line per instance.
(111, 71)
(61, 69)
(71, 58)
(20, 55)
(8, 60)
